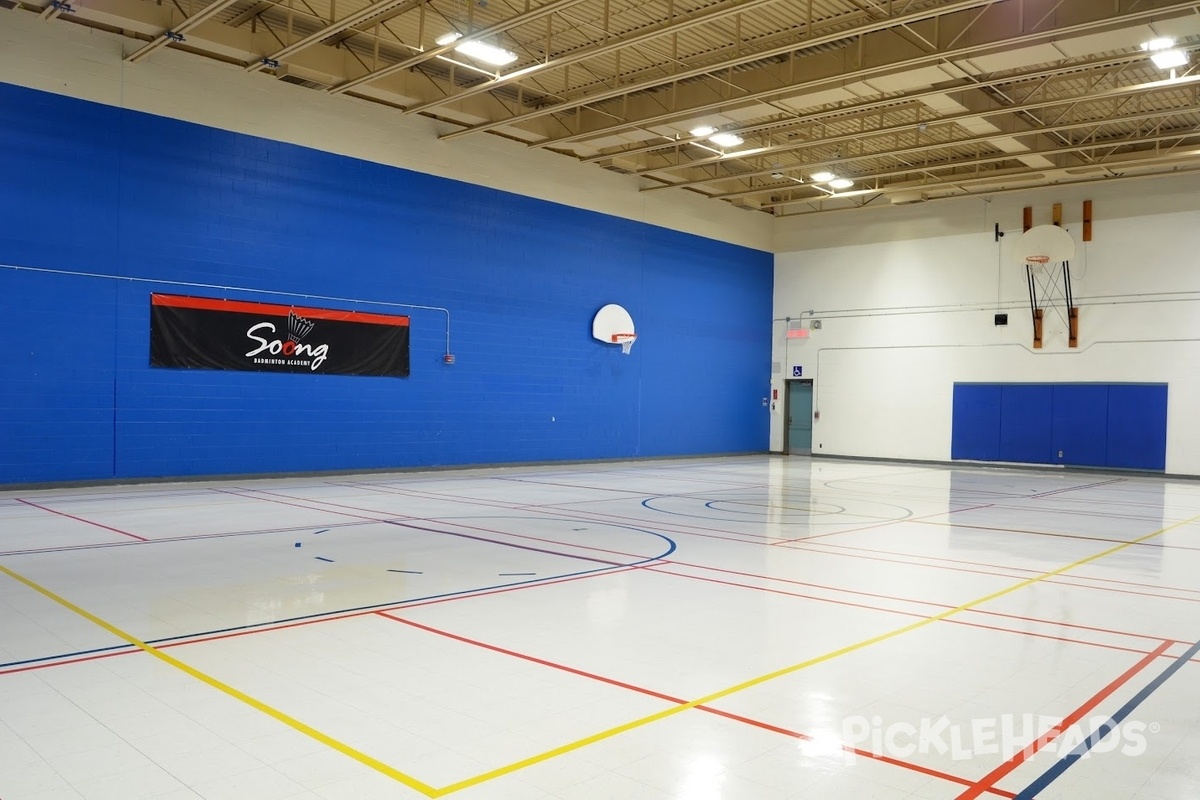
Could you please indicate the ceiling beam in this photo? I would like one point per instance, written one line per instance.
(931, 59)
(348, 21)
(891, 101)
(839, 36)
(597, 50)
(964, 189)
(521, 19)
(859, 136)
(54, 9)
(168, 36)
(250, 13)
(994, 158)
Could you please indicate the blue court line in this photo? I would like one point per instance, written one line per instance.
(908, 512)
(322, 558)
(1067, 761)
(392, 604)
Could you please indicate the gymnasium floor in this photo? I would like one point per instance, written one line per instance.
(756, 627)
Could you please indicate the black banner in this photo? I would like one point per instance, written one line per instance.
(202, 333)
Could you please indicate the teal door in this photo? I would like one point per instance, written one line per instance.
(800, 417)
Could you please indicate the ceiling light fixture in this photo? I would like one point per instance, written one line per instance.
(726, 139)
(715, 136)
(1164, 54)
(824, 176)
(480, 51)
(1169, 59)
(841, 183)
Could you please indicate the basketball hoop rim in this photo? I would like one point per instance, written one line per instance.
(626, 341)
(1041, 260)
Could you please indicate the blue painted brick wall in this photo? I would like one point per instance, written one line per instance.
(91, 188)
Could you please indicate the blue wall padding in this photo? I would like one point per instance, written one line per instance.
(1137, 426)
(1026, 429)
(1119, 425)
(976, 422)
(94, 189)
(1080, 424)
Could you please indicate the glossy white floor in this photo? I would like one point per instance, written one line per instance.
(759, 627)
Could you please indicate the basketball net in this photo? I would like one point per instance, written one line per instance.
(626, 341)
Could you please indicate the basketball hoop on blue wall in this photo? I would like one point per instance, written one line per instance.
(613, 325)
(626, 341)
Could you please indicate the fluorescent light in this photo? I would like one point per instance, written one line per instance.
(1154, 45)
(487, 53)
(841, 183)
(1169, 59)
(726, 139)
(703, 130)
(823, 177)
(480, 51)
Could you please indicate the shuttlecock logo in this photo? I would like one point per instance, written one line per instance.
(290, 352)
(298, 326)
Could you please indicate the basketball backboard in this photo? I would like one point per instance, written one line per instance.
(1045, 240)
(613, 325)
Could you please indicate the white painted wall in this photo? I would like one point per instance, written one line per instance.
(903, 320)
(64, 58)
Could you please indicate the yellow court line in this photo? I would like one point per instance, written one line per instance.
(709, 698)
(258, 705)
(430, 791)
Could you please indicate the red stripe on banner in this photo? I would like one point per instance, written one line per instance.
(273, 310)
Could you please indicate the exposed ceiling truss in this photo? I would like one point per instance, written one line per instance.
(911, 100)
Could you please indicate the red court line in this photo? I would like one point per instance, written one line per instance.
(895, 611)
(1003, 566)
(880, 524)
(690, 529)
(786, 545)
(401, 606)
(84, 521)
(1051, 622)
(252, 494)
(450, 521)
(1081, 537)
(407, 605)
(986, 783)
(638, 492)
(1059, 581)
(196, 537)
(999, 566)
(1076, 488)
(680, 701)
(678, 527)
